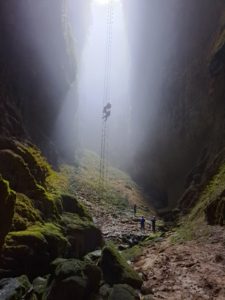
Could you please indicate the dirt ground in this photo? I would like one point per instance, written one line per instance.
(193, 270)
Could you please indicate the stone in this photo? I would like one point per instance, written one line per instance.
(72, 277)
(105, 291)
(123, 292)
(93, 256)
(67, 289)
(70, 204)
(82, 234)
(116, 270)
(39, 286)
(32, 250)
(14, 288)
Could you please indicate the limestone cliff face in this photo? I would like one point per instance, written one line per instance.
(181, 104)
(37, 67)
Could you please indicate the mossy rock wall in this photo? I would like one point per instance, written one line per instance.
(7, 204)
(40, 222)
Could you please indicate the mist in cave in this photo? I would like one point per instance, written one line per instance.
(151, 130)
(93, 71)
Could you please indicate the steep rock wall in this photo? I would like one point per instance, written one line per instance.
(180, 108)
(37, 68)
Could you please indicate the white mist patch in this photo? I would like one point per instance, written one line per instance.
(104, 2)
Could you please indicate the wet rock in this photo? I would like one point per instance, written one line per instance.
(133, 239)
(123, 292)
(70, 204)
(39, 286)
(116, 270)
(31, 251)
(15, 288)
(82, 234)
(7, 203)
(16, 171)
(105, 291)
(67, 288)
(123, 247)
(72, 277)
(215, 211)
(93, 256)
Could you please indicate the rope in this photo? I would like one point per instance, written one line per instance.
(106, 98)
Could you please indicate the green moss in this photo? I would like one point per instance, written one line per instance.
(133, 252)
(116, 270)
(41, 232)
(58, 182)
(31, 251)
(24, 237)
(7, 204)
(76, 221)
(4, 188)
(137, 250)
(194, 224)
(85, 181)
(37, 163)
(25, 214)
(71, 204)
(47, 203)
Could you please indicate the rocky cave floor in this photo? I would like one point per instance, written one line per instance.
(188, 270)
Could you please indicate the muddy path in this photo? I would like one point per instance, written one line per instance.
(193, 270)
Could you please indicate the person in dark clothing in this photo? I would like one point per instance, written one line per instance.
(135, 209)
(153, 223)
(142, 223)
(107, 111)
(107, 107)
(107, 114)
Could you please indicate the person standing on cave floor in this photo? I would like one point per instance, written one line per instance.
(135, 210)
(142, 223)
(153, 220)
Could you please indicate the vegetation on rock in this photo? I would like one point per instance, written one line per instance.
(7, 204)
(72, 277)
(42, 220)
(116, 270)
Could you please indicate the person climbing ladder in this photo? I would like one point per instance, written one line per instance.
(107, 111)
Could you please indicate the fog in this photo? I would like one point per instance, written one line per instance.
(94, 71)
(153, 50)
(155, 59)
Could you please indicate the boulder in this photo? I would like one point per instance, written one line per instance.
(16, 171)
(116, 270)
(93, 256)
(72, 277)
(104, 291)
(35, 161)
(70, 204)
(31, 251)
(123, 292)
(82, 234)
(39, 286)
(25, 213)
(15, 288)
